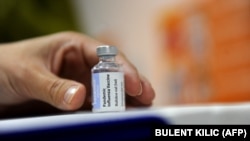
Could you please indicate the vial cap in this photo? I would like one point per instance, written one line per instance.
(106, 50)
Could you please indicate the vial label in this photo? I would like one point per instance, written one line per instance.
(108, 92)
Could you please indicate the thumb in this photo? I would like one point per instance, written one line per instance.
(61, 93)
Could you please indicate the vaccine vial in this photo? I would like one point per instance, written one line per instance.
(108, 93)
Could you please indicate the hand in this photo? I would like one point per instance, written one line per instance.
(56, 68)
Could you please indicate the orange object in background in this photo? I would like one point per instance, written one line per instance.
(230, 56)
(207, 45)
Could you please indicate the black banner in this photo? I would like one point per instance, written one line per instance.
(141, 128)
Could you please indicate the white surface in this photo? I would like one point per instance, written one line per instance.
(238, 113)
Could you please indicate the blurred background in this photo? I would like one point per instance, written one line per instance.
(192, 51)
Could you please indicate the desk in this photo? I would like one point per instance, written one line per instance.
(84, 123)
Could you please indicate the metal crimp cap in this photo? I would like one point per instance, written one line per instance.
(106, 50)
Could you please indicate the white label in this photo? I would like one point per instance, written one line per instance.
(108, 92)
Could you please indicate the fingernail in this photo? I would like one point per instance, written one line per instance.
(140, 91)
(70, 94)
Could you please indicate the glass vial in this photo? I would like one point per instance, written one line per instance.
(108, 93)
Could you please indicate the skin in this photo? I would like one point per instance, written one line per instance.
(35, 74)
